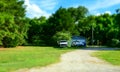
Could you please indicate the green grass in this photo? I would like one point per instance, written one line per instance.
(26, 57)
(112, 57)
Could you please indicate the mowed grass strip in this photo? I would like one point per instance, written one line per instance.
(112, 57)
(26, 57)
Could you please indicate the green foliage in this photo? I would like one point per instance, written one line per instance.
(13, 24)
(79, 19)
(114, 42)
(78, 13)
(62, 36)
(36, 32)
(10, 42)
(102, 29)
(105, 29)
(61, 21)
(84, 25)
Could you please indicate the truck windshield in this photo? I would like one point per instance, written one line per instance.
(63, 41)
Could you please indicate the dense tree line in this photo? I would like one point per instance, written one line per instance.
(99, 30)
(16, 29)
(62, 21)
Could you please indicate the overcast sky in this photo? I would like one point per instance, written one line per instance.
(37, 8)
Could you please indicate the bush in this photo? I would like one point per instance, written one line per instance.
(10, 42)
(61, 36)
(114, 43)
(36, 40)
(13, 40)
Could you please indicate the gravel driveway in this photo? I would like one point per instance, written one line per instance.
(77, 61)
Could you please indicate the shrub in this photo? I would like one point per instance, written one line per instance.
(61, 36)
(113, 42)
(13, 40)
(10, 42)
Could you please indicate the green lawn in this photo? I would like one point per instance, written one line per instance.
(26, 57)
(112, 57)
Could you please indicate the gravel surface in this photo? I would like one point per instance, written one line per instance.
(77, 61)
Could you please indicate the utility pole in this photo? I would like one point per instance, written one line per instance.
(92, 35)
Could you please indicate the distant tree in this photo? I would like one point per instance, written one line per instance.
(118, 11)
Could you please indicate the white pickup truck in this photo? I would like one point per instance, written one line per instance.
(63, 43)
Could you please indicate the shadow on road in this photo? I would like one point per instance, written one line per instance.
(99, 48)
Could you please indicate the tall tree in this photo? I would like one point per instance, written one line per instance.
(61, 21)
(79, 17)
(13, 23)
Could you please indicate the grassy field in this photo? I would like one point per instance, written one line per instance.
(112, 57)
(26, 57)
